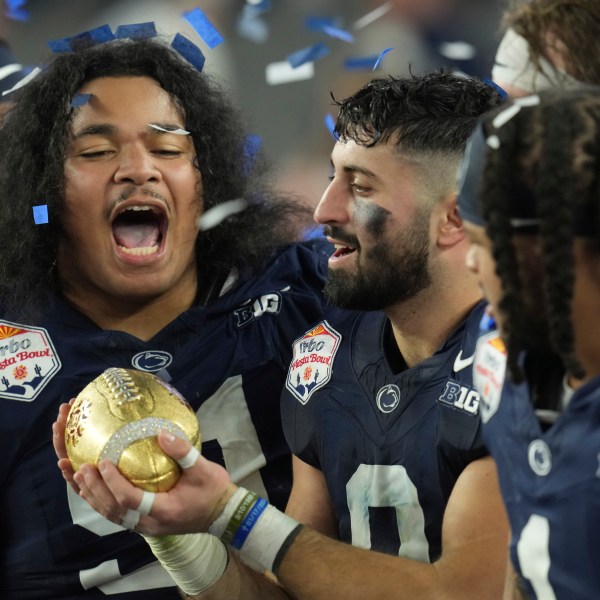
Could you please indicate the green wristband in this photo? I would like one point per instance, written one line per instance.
(238, 516)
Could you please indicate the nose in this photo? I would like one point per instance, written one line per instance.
(333, 206)
(138, 166)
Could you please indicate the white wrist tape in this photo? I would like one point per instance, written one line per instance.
(195, 561)
(258, 530)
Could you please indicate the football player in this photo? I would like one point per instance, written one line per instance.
(108, 158)
(530, 201)
(391, 479)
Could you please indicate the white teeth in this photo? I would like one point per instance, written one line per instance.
(145, 251)
(138, 208)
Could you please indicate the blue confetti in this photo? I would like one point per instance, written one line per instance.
(203, 27)
(487, 323)
(318, 23)
(361, 63)
(189, 51)
(328, 26)
(40, 214)
(313, 233)
(330, 124)
(496, 87)
(136, 31)
(251, 26)
(307, 54)
(93, 37)
(15, 10)
(251, 148)
(336, 32)
(80, 100)
(380, 57)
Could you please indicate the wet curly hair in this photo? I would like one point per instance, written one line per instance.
(34, 138)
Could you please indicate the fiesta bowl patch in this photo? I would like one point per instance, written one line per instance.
(28, 361)
(312, 361)
(489, 369)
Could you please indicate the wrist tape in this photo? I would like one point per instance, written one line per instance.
(195, 561)
(260, 532)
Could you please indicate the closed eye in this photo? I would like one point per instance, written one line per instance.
(95, 153)
(167, 153)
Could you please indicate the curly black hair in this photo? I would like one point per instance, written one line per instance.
(33, 141)
(547, 162)
(433, 112)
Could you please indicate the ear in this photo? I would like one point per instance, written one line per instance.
(450, 230)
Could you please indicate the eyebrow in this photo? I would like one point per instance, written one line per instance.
(106, 129)
(357, 169)
(354, 169)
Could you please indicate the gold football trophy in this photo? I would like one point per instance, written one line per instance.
(116, 417)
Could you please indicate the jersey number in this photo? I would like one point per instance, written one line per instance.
(376, 486)
(534, 556)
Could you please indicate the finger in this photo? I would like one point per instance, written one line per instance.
(131, 519)
(58, 438)
(146, 503)
(64, 464)
(98, 495)
(120, 488)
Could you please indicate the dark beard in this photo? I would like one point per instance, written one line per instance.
(386, 275)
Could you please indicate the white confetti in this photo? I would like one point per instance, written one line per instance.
(458, 50)
(23, 81)
(216, 215)
(373, 16)
(505, 116)
(177, 131)
(7, 70)
(493, 142)
(526, 101)
(283, 72)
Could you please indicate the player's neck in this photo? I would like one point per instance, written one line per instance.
(142, 319)
(422, 324)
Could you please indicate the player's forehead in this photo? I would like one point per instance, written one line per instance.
(373, 161)
(124, 101)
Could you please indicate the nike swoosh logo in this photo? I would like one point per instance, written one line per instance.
(461, 363)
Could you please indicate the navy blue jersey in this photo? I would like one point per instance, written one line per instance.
(550, 480)
(229, 360)
(390, 442)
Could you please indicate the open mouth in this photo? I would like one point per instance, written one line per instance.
(342, 250)
(139, 229)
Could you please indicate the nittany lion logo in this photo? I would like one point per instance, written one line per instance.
(388, 398)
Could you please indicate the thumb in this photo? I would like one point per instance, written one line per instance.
(178, 449)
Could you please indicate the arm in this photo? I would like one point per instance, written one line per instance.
(309, 501)
(511, 586)
(472, 565)
(315, 567)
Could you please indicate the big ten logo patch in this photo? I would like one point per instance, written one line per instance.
(460, 397)
(312, 361)
(28, 361)
(267, 304)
